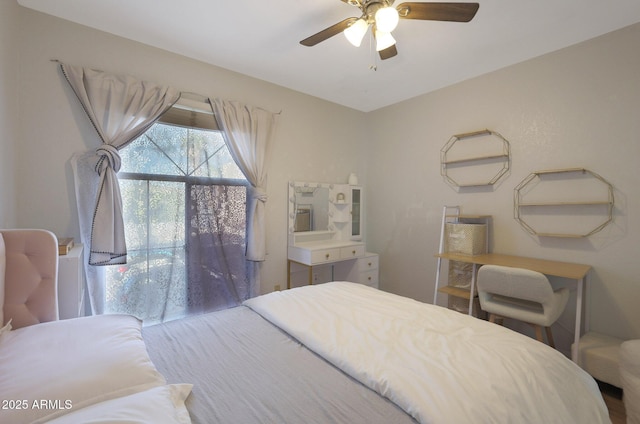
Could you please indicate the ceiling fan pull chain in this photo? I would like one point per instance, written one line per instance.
(372, 52)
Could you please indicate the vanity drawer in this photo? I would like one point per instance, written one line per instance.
(325, 255)
(351, 252)
(369, 278)
(368, 263)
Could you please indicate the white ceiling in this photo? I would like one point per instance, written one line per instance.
(261, 39)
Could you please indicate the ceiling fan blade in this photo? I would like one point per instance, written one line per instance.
(452, 12)
(328, 32)
(389, 52)
(356, 3)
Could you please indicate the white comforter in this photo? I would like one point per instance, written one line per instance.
(438, 365)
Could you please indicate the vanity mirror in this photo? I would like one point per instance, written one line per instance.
(308, 206)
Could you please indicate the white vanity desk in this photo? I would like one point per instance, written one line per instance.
(326, 243)
(314, 254)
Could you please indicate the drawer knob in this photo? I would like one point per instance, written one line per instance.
(326, 256)
(353, 251)
(369, 278)
(370, 264)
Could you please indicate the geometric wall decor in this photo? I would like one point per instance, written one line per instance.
(477, 158)
(572, 202)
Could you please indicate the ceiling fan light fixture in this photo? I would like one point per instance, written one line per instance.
(387, 19)
(356, 31)
(384, 40)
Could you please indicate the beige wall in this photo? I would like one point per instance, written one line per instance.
(575, 107)
(578, 107)
(9, 12)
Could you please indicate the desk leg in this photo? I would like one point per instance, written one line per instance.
(435, 291)
(310, 275)
(474, 271)
(576, 337)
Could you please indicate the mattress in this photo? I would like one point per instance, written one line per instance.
(246, 370)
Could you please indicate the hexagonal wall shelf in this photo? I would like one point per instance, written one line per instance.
(572, 202)
(478, 158)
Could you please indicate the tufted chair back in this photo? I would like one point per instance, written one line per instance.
(29, 259)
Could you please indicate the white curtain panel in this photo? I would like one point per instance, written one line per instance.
(249, 133)
(120, 108)
(86, 185)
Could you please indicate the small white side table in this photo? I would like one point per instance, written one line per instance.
(71, 284)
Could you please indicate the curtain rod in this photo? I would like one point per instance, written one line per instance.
(190, 94)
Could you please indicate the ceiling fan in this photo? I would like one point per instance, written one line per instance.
(383, 18)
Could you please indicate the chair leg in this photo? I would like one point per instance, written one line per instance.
(539, 333)
(550, 337)
(496, 319)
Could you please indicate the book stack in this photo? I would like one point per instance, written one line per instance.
(65, 245)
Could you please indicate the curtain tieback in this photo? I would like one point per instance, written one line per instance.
(109, 157)
(259, 194)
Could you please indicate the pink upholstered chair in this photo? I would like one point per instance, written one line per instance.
(28, 277)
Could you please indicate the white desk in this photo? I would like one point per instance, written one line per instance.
(569, 270)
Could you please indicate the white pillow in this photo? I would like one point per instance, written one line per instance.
(3, 267)
(160, 405)
(76, 362)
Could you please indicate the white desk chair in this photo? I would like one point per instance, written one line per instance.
(521, 294)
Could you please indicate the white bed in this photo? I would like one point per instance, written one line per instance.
(437, 365)
(333, 353)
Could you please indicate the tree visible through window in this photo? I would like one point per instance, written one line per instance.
(184, 202)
